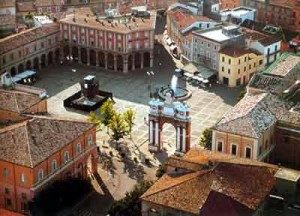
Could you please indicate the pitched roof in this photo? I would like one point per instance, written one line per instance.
(245, 186)
(20, 39)
(17, 101)
(30, 142)
(249, 117)
(234, 51)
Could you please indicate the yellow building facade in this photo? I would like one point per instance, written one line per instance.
(237, 65)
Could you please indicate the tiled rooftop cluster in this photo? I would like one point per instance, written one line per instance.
(243, 182)
(118, 23)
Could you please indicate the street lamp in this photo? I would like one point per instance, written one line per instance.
(150, 75)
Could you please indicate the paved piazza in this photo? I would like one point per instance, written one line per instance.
(132, 90)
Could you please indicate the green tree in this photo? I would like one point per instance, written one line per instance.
(130, 204)
(129, 116)
(118, 126)
(206, 138)
(161, 170)
(94, 118)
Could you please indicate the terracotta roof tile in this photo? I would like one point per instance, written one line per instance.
(17, 101)
(28, 143)
(245, 183)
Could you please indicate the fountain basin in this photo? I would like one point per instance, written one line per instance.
(180, 94)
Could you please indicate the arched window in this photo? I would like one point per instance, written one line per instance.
(78, 148)
(90, 140)
(54, 165)
(66, 156)
(40, 175)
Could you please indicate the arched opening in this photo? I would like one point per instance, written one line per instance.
(20, 68)
(83, 55)
(43, 60)
(13, 71)
(168, 137)
(57, 55)
(75, 54)
(92, 57)
(28, 65)
(36, 63)
(66, 51)
(110, 61)
(119, 63)
(101, 57)
(146, 59)
(137, 60)
(130, 62)
(50, 57)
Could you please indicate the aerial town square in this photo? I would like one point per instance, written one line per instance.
(149, 108)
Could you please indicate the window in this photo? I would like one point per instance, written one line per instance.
(207, 25)
(268, 51)
(8, 202)
(4, 60)
(66, 156)
(49, 41)
(260, 62)
(233, 149)
(239, 61)
(245, 69)
(6, 191)
(223, 59)
(220, 146)
(245, 59)
(5, 172)
(90, 140)
(222, 69)
(249, 67)
(238, 81)
(276, 47)
(11, 56)
(248, 152)
(53, 165)
(40, 175)
(229, 61)
(22, 177)
(228, 71)
(42, 44)
(20, 54)
(239, 71)
(78, 148)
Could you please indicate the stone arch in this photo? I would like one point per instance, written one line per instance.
(75, 53)
(43, 60)
(50, 57)
(93, 57)
(130, 62)
(101, 57)
(137, 60)
(146, 59)
(110, 61)
(13, 71)
(83, 56)
(120, 63)
(20, 68)
(66, 51)
(28, 65)
(36, 63)
(56, 53)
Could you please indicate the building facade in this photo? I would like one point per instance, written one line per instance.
(71, 151)
(30, 49)
(281, 13)
(237, 65)
(118, 43)
(7, 17)
(229, 4)
(208, 43)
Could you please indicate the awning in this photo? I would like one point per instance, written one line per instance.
(199, 70)
(23, 75)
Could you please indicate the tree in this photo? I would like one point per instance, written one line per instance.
(95, 119)
(129, 116)
(130, 204)
(161, 170)
(206, 138)
(118, 126)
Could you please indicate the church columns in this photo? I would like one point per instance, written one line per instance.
(125, 64)
(105, 61)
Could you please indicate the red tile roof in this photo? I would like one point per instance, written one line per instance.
(32, 141)
(244, 185)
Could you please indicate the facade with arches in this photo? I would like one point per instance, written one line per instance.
(119, 43)
(175, 113)
(31, 49)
